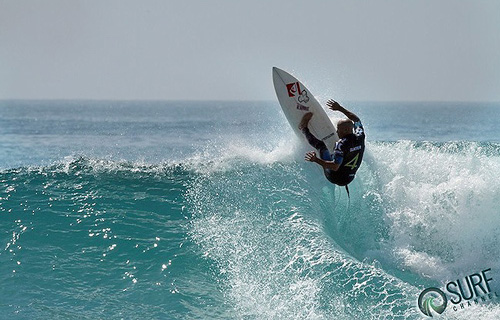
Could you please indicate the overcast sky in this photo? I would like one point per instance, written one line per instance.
(218, 50)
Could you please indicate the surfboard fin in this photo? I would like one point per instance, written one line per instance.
(347, 189)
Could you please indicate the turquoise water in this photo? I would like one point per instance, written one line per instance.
(206, 210)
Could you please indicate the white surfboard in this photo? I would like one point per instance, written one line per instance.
(296, 100)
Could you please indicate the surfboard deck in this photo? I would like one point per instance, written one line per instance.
(296, 100)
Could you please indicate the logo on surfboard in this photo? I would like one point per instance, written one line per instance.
(302, 107)
(294, 90)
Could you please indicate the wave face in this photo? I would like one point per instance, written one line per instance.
(249, 232)
(207, 210)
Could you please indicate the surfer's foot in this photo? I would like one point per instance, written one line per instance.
(305, 120)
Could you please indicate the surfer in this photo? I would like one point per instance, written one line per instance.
(340, 168)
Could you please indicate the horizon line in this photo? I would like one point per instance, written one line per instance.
(239, 100)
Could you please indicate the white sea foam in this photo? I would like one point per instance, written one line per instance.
(441, 206)
(263, 227)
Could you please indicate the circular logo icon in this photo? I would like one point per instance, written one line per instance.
(432, 299)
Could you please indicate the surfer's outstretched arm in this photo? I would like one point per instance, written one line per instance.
(335, 106)
(311, 156)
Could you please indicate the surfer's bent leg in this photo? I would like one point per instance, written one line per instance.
(317, 144)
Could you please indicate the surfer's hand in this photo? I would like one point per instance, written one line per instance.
(311, 156)
(333, 105)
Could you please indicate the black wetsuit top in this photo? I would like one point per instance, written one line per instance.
(349, 153)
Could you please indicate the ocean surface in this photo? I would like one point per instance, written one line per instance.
(207, 210)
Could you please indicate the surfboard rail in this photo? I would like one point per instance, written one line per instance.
(296, 100)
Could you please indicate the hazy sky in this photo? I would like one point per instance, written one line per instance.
(217, 50)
